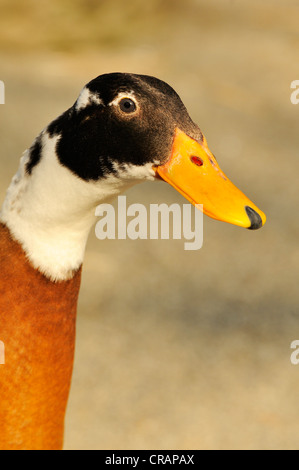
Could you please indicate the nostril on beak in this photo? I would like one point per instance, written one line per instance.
(254, 217)
(197, 161)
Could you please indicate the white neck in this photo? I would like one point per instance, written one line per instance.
(51, 211)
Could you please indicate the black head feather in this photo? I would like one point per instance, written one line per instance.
(94, 136)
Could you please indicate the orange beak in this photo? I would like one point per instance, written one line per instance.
(193, 171)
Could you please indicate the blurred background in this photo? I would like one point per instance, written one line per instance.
(176, 349)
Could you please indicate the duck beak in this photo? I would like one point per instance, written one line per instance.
(194, 172)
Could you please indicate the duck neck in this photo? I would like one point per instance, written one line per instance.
(37, 318)
(44, 224)
(50, 211)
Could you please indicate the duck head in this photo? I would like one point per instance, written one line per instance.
(136, 127)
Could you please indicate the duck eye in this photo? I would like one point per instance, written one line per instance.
(127, 105)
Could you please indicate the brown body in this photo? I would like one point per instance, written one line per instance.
(37, 327)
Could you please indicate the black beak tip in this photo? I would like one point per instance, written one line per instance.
(254, 217)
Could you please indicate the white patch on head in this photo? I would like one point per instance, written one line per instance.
(87, 98)
(51, 211)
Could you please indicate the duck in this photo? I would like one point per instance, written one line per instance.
(122, 130)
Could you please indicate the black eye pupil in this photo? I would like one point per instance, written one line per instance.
(127, 105)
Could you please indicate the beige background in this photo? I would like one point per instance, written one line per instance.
(176, 349)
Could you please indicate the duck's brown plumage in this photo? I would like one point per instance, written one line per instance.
(37, 326)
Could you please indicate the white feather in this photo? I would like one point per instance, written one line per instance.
(86, 98)
(51, 211)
